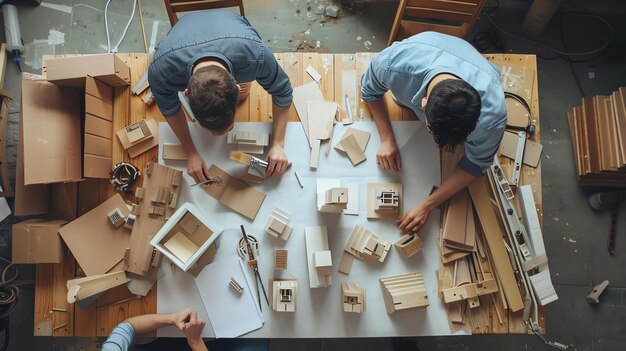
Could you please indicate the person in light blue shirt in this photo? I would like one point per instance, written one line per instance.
(455, 91)
(187, 321)
(209, 56)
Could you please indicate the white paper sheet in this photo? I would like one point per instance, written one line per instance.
(319, 312)
(231, 314)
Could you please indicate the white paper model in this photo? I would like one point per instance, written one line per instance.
(185, 236)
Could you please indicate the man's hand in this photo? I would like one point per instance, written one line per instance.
(277, 160)
(193, 331)
(414, 219)
(388, 156)
(181, 318)
(196, 167)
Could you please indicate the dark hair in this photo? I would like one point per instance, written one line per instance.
(213, 97)
(452, 110)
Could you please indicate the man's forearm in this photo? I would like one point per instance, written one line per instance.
(458, 180)
(279, 129)
(150, 322)
(381, 118)
(179, 126)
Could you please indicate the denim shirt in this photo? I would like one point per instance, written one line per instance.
(120, 339)
(220, 34)
(408, 66)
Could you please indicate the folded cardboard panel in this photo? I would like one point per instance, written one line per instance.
(98, 146)
(38, 241)
(71, 71)
(94, 241)
(97, 166)
(99, 108)
(98, 126)
(51, 132)
(98, 89)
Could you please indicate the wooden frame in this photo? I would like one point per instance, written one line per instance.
(186, 236)
(174, 6)
(441, 16)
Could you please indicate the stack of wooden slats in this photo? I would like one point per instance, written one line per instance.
(472, 271)
(598, 132)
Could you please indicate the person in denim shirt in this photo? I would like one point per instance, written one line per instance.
(210, 55)
(455, 91)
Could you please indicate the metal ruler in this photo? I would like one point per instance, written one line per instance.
(519, 158)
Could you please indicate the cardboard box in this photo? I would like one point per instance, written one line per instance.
(150, 127)
(186, 236)
(58, 200)
(71, 71)
(51, 132)
(38, 241)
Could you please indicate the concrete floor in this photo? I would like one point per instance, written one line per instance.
(575, 236)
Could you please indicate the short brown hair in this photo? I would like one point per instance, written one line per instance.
(213, 97)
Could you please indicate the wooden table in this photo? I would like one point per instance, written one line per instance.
(340, 77)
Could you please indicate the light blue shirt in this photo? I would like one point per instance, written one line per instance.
(120, 339)
(408, 66)
(221, 34)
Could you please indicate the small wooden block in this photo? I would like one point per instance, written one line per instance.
(353, 150)
(174, 152)
(280, 259)
(409, 245)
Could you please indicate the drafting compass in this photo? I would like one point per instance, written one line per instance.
(253, 263)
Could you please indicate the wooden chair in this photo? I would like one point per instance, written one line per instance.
(445, 16)
(175, 6)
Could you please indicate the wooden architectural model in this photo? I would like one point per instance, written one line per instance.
(364, 245)
(409, 245)
(352, 297)
(280, 259)
(404, 291)
(283, 294)
(279, 224)
(82, 288)
(139, 137)
(173, 152)
(249, 141)
(157, 200)
(185, 236)
(318, 257)
(116, 217)
(384, 200)
(331, 197)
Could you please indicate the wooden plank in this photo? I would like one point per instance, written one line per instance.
(494, 235)
(44, 299)
(326, 67)
(592, 135)
(363, 60)
(345, 83)
(258, 104)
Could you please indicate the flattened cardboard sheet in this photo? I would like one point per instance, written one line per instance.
(235, 194)
(94, 241)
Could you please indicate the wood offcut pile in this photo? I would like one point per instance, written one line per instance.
(598, 132)
(478, 281)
